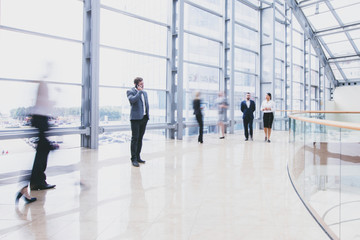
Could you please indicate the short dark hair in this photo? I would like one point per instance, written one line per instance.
(137, 80)
(269, 95)
(248, 93)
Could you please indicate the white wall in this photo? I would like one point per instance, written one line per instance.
(346, 98)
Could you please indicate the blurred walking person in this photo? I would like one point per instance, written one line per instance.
(248, 108)
(199, 116)
(222, 105)
(40, 120)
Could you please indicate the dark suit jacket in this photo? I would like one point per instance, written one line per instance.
(137, 107)
(196, 106)
(248, 112)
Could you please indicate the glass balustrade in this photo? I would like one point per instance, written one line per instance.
(324, 167)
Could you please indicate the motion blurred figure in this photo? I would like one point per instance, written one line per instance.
(40, 116)
(222, 106)
(198, 114)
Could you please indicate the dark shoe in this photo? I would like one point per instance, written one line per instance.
(141, 161)
(222, 137)
(27, 200)
(246, 139)
(135, 164)
(268, 140)
(252, 139)
(42, 186)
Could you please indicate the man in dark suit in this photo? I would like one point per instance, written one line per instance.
(139, 116)
(248, 109)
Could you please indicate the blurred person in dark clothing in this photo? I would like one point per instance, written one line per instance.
(199, 116)
(40, 116)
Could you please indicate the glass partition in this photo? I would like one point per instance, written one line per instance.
(323, 169)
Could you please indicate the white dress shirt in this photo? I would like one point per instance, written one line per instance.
(248, 103)
(268, 104)
(143, 101)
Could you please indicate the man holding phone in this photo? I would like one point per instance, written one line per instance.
(139, 116)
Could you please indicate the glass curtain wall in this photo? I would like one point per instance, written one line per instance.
(246, 59)
(38, 44)
(270, 54)
(133, 43)
(307, 87)
(34, 50)
(203, 66)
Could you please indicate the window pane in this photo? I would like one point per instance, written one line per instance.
(246, 38)
(121, 31)
(245, 83)
(246, 15)
(245, 61)
(298, 39)
(154, 9)
(201, 50)
(120, 69)
(199, 77)
(298, 57)
(215, 5)
(21, 96)
(44, 16)
(199, 21)
(114, 106)
(26, 57)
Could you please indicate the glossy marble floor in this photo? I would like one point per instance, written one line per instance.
(222, 189)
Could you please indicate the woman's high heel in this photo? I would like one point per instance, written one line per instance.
(27, 200)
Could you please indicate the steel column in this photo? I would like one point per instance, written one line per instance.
(90, 77)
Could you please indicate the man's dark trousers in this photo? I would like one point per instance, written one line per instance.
(138, 130)
(248, 124)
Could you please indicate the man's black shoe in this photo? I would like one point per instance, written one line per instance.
(42, 186)
(141, 161)
(135, 164)
(246, 139)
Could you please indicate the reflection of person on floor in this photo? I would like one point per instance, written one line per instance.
(40, 116)
(37, 212)
(137, 201)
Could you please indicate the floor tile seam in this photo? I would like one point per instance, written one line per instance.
(198, 210)
(153, 222)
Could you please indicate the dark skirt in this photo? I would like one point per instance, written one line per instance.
(268, 119)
